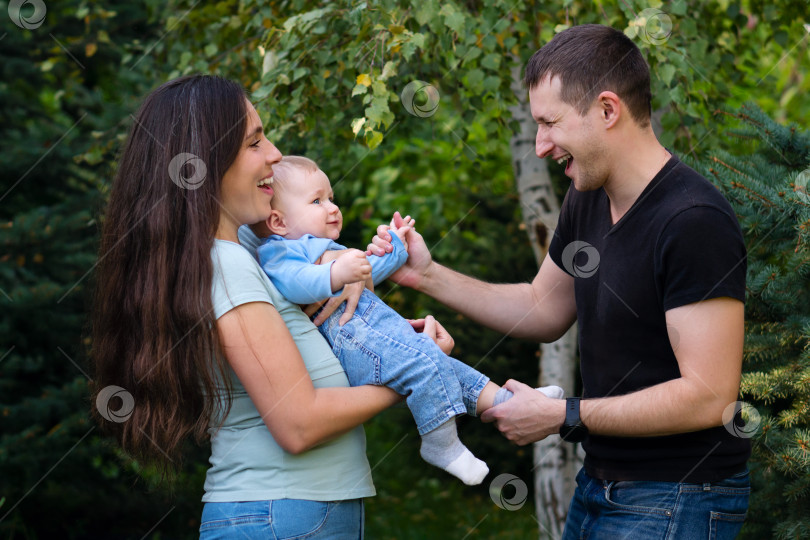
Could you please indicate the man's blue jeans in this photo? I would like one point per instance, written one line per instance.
(377, 346)
(657, 510)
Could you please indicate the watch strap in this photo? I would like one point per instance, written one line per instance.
(573, 430)
(572, 412)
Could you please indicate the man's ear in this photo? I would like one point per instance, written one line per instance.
(276, 223)
(610, 108)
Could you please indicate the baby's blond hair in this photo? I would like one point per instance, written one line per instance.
(282, 171)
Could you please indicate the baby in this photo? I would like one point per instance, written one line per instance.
(377, 346)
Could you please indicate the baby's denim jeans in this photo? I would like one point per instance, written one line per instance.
(377, 346)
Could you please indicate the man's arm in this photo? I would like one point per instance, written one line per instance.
(542, 310)
(707, 339)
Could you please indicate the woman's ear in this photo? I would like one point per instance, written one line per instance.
(276, 223)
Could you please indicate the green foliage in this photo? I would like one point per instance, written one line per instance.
(703, 56)
(66, 92)
(767, 185)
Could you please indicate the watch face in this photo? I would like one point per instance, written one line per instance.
(573, 434)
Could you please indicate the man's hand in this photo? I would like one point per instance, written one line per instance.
(419, 260)
(408, 223)
(350, 267)
(435, 331)
(351, 295)
(528, 416)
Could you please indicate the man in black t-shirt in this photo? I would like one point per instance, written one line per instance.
(648, 257)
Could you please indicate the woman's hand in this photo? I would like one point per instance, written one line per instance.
(435, 331)
(351, 295)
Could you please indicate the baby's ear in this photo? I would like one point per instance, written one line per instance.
(276, 223)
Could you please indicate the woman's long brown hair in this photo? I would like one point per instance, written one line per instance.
(154, 332)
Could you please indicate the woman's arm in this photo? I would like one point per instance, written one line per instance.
(264, 356)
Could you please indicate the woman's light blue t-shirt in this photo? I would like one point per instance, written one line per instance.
(246, 463)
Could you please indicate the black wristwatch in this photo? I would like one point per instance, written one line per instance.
(573, 430)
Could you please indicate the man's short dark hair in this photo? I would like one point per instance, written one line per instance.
(590, 59)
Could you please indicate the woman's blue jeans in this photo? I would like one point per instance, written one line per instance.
(283, 519)
(377, 346)
(657, 510)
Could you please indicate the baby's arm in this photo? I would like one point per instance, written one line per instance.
(291, 267)
(350, 265)
(334, 254)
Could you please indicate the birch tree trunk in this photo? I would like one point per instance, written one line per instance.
(556, 462)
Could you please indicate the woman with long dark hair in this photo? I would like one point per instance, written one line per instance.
(190, 330)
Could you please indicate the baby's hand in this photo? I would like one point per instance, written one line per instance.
(408, 223)
(350, 267)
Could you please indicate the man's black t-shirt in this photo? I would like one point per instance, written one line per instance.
(678, 244)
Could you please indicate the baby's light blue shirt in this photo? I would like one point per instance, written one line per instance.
(291, 266)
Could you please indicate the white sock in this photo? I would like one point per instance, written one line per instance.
(468, 468)
(442, 448)
(554, 392)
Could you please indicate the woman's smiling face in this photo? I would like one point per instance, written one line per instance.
(245, 198)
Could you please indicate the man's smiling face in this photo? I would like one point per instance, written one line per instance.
(566, 137)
